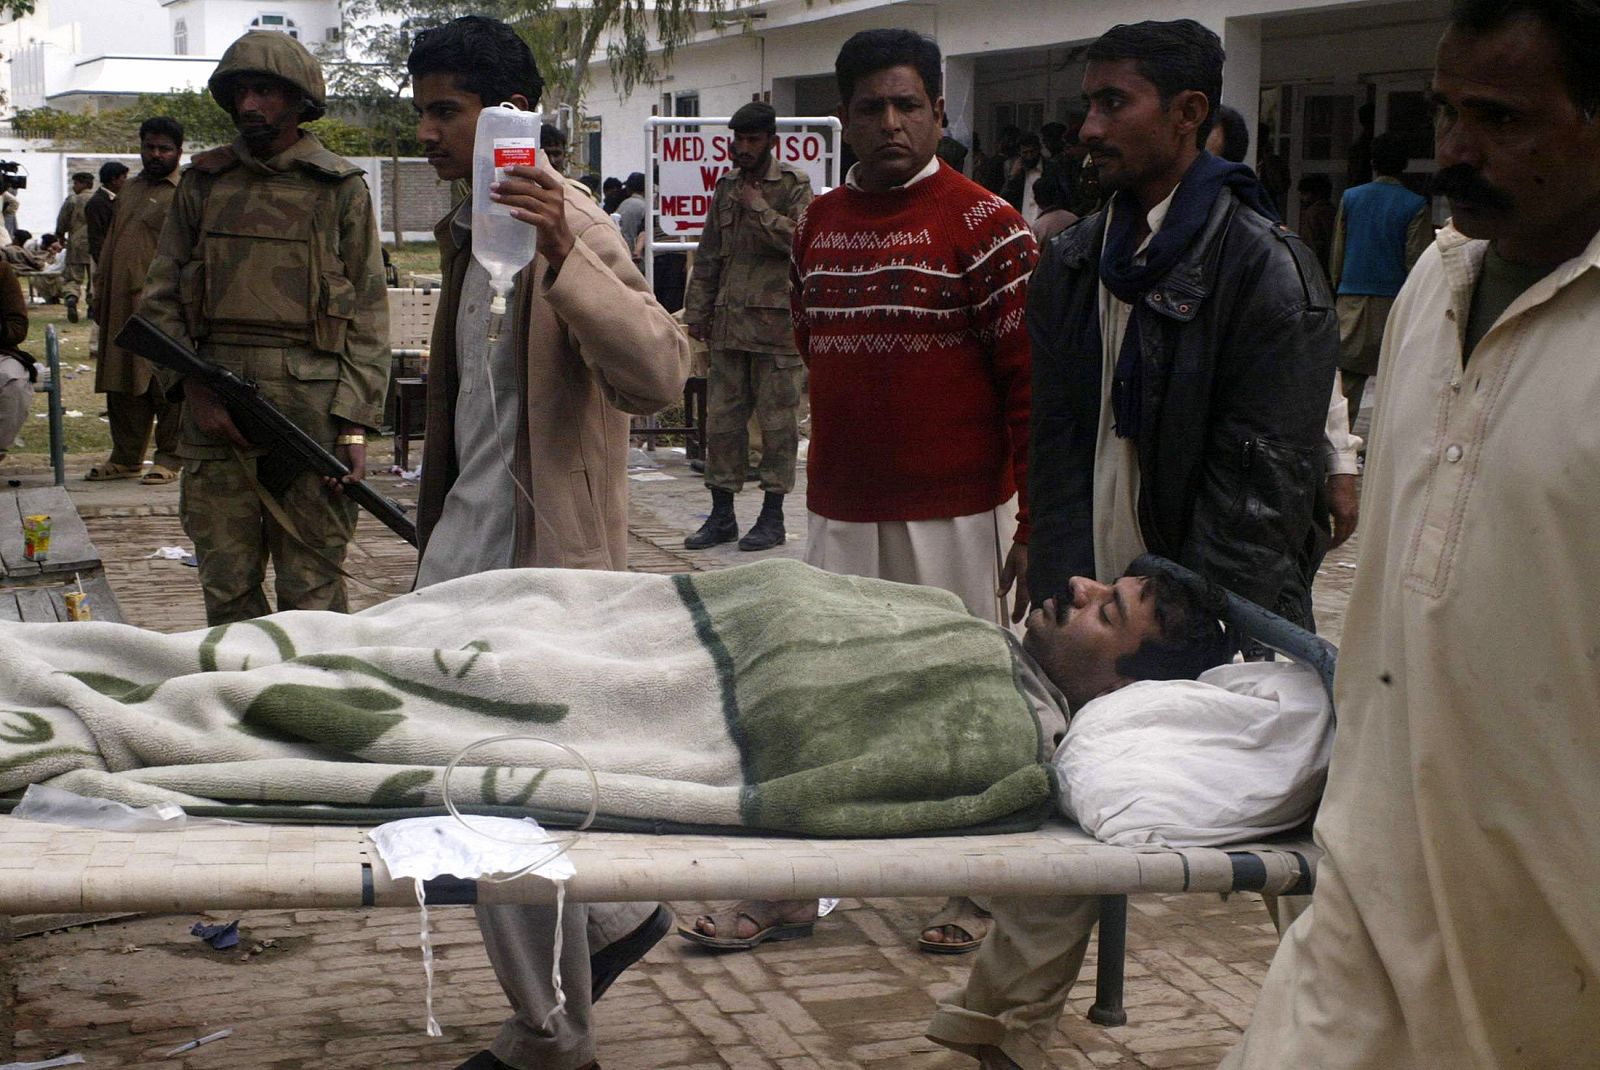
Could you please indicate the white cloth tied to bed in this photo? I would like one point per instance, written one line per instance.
(1234, 756)
(473, 847)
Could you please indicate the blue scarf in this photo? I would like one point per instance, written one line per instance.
(1129, 281)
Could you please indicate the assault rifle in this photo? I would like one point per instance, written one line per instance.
(290, 450)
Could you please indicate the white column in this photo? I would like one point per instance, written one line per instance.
(1241, 75)
(960, 81)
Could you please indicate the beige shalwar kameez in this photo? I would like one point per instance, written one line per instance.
(1456, 921)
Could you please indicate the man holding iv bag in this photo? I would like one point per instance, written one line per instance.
(532, 375)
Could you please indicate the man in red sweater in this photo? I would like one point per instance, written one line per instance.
(909, 286)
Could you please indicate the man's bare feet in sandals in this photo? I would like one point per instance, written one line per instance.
(959, 927)
(752, 922)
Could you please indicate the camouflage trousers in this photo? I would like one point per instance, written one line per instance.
(234, 536)
(740, 385)
(74, 281)
(234, 533)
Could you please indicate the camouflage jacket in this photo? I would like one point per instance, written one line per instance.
(740, 284)
(281, 253)
(72, 225)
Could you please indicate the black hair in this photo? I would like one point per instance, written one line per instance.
(612, 183)
(634, 183)
(1173, 56)
(1030, 141)
(23, 235)
(83, 176)
(551, 137)
(1191, 638)
(1573, 24)
(112, 170)
(1235, 133)
(484, 56)
(162, 126)
(871, 51)
(1389, 155)
(591, 180)
(1318, 184)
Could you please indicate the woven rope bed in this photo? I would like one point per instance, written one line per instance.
(55, 869)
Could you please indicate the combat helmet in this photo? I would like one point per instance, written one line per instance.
(277, 54)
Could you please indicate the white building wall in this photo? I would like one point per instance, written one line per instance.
(215, 24)
(41, 49)
(798, 41)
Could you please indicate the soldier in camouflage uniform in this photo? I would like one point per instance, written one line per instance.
(738, 301)
(72, 226)
(269, 264)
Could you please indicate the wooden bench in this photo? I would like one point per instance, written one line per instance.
(35, 591)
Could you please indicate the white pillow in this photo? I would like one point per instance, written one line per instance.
(1234, 756)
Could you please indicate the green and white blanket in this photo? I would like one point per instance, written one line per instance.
(770, 697)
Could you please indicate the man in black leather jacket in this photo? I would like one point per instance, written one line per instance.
(1184, 345)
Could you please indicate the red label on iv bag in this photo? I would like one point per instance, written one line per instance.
(514, 151)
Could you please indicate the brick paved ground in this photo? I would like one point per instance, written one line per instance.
(344, 989)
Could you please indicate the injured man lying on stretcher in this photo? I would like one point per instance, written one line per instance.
(772, 697)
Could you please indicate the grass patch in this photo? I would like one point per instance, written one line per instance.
(414, 257)
(88, 433)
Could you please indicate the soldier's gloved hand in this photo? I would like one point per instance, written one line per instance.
(210, 415)
(538, 197)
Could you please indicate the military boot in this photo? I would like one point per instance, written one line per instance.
(768, 529)
(721, 526)
(72, 308)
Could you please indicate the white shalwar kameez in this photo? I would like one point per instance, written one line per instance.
(1456, 922)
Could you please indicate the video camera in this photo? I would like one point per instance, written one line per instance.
(9, 179)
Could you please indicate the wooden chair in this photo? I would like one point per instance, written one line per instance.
(411, 312)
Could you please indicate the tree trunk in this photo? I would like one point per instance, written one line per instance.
(394, 187)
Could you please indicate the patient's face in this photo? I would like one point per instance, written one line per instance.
(1079, 644)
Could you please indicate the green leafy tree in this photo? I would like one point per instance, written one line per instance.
(341, 136)
(205, 124)
(639, 36)
(366, 69)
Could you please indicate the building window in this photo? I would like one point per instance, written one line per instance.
(180, 38)
(686, 104)
(280, 23)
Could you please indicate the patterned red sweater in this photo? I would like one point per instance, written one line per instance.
(908, 307)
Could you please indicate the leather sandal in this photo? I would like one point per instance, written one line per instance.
(157, 474)
(767, 928)
(105, 470)
(964, 916)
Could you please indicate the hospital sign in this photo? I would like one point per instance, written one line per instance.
(689, 165)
